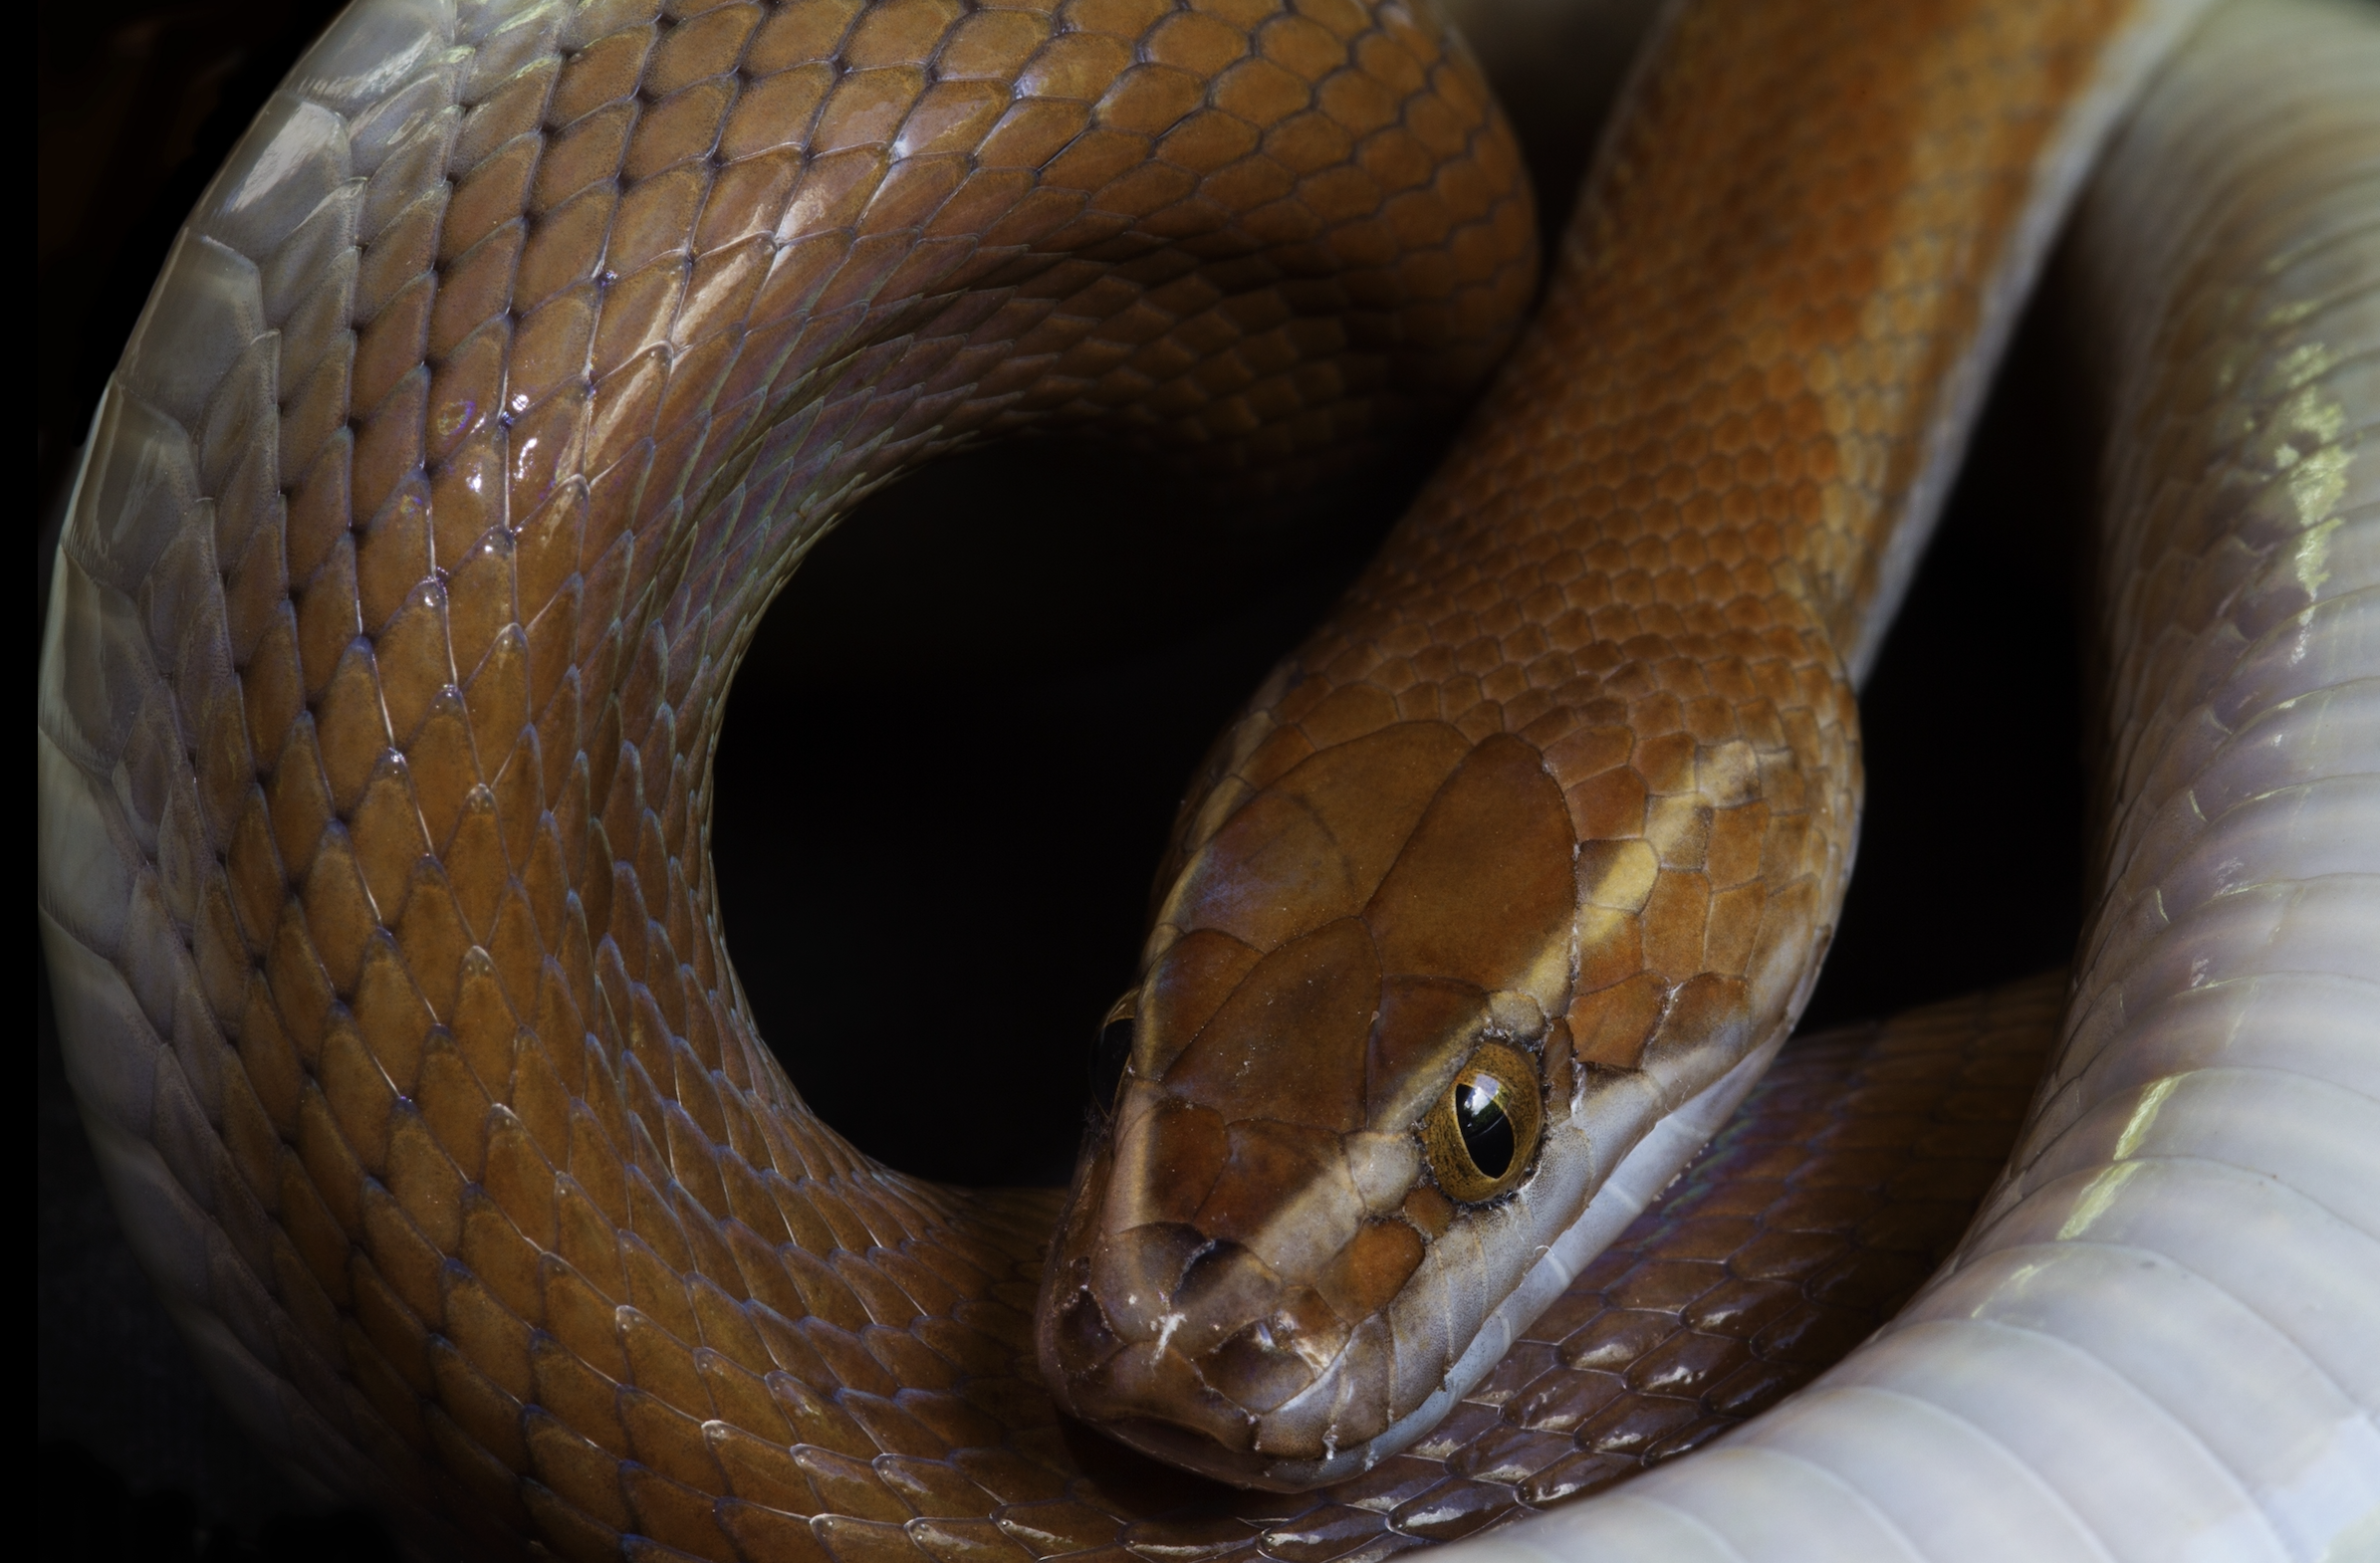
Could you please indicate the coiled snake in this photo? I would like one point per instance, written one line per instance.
(521, 350)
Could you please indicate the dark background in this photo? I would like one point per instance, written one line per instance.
(954, 752)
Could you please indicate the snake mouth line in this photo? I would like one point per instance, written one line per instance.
(1635, 1184)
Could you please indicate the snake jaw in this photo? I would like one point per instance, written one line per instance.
(1258, 1275)
(1261, 1275)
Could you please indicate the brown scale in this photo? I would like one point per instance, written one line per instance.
(531, 1218)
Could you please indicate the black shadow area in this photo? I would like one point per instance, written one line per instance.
(1970, 852)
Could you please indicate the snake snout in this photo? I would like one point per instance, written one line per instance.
(1192, 1348)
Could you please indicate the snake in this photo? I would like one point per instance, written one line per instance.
(521, 350)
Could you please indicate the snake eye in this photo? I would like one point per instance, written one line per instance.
(1111, 1050)
(1484, 1130)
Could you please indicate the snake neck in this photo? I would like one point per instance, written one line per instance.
(1611, 652)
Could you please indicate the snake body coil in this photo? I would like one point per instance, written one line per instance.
(521, 350)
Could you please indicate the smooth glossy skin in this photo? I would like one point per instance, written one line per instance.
(490, 391)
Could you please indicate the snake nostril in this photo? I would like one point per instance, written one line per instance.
(1083, 1334)
(1256, 1370)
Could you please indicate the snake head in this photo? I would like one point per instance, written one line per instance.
(1392, 1078)
(1353, 1120)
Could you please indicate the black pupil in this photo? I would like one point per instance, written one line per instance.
(1107, 1058)
(1487, 1131)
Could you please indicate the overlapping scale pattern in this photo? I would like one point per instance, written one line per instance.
(521, 348)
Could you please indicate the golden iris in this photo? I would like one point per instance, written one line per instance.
(1483, 1132)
